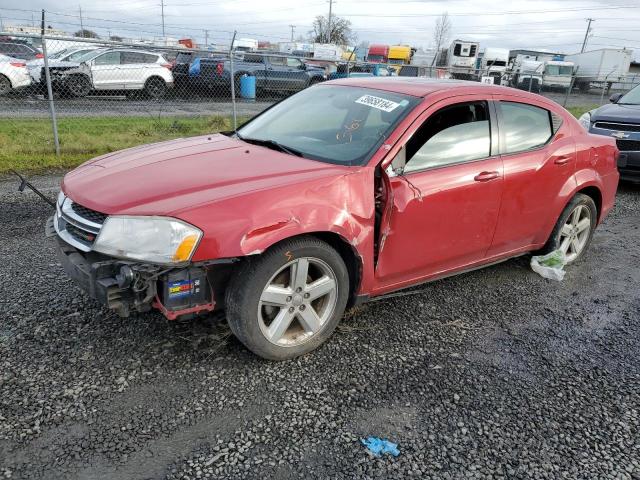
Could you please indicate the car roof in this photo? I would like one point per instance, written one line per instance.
(421, 87)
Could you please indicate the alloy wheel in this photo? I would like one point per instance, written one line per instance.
(574, 234)
(297, 302)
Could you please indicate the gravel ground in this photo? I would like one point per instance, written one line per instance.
(492, 374)
(109, 106)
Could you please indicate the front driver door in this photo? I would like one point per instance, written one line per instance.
(445, 203)
(106, 72)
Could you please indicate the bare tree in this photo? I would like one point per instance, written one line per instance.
(441, 34)
(341, 32)
(84, 33)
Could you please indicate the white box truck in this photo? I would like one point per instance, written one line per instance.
(603, 66)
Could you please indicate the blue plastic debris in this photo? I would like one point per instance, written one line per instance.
(378, 446)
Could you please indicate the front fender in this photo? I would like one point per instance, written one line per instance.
(251, 223)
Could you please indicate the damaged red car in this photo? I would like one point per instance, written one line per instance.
(345, 191)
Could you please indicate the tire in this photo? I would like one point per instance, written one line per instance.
(253, 310)
(155, 88)
(562, 235)
(77, 86)
(5, 85)
(314, 81)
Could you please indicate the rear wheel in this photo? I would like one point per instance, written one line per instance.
(5, 85)
(155, 87)
(574, 229)
(288, 302)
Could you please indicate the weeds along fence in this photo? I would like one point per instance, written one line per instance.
(66, 89)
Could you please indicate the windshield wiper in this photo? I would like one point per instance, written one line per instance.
(271, 144)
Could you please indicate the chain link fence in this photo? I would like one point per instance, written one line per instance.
(158, 92)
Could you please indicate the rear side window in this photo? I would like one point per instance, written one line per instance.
(138, 57)
(524, 126)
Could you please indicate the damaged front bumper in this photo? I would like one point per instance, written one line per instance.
(128, 286)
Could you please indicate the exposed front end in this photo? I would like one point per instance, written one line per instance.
(94, 252)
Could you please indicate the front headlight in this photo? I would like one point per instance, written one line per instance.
(585, 120)
(149, 239)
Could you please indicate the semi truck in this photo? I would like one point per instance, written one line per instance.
(400, 55)
(529, 73)
(604, 66)
(378, 53)
(494, 63)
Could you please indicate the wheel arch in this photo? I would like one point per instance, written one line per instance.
(596, 195)
(154, 77)
(2, 75)
(347, 252)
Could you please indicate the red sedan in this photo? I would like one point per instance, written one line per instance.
(347, 190)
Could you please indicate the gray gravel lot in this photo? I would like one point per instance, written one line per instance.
(492, 374)
(109, 106)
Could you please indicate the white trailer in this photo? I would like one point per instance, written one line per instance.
(461, 59)
(327, 51)
(603, 66)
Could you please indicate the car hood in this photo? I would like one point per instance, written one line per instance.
(170, 177)
(617, 113)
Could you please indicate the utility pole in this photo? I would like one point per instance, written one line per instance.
(586, 35)
(293, 27)
(1, 24)
(206, 37)
(81, 24)
(162, 11)
(329, 22)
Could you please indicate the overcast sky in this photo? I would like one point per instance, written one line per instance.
(555, 25)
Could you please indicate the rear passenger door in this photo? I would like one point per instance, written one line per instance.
(539, 157)
(136, 67)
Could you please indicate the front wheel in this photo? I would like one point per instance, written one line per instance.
(574, 229)
(288, 301)
(78, 86)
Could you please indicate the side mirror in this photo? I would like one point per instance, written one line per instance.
(615, 97)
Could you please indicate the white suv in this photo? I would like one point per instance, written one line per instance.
(116, 69)
(13, 74)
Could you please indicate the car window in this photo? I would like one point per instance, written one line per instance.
(138, 57)
(109, 58)
(75, 55)
(455, 134)
(293, 62)
(524, 126)
(280, 61)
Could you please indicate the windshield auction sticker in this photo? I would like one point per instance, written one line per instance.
(377, 102)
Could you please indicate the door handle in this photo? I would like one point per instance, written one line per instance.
(486, 176)
(562, 160)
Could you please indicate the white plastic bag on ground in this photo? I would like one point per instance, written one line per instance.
(550, 265)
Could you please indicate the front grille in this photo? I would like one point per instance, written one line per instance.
(620, 127)
(88, 214)
(628, 145)
(80, 235)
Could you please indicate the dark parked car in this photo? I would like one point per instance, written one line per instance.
(621, 120)
(273, 72)
(19, 50)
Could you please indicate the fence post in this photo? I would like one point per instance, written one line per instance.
(573, 78)
(233, 83)
(52, 107)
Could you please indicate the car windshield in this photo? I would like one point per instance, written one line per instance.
(331, 123)
(632, 97)
(88, 56)
(73, 57)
